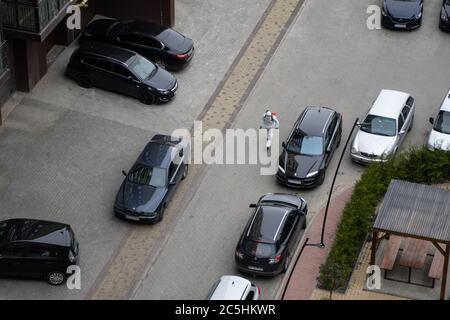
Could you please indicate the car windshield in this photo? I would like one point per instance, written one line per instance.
(379, 125)
(155, 177)
(442, 124)
(305, 145)
(143, 68)
(260, 249)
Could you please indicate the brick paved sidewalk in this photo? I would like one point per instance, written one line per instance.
(303, 281)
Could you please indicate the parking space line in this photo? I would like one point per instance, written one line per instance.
(142, 244)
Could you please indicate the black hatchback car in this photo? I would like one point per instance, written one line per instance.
(37, 249)
(402, 14)
(444, 22)
(167, 47)
(309, 149)
(151, 182)
(270, 237)
(122, 71)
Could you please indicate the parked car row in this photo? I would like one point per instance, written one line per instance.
(129, 57)
(408, 14)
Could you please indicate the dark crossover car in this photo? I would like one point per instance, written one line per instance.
(444, 22)
(152, 180)
(309, 148)
(270, 237)
(164, 45)
(121, 70)
(402, 14)
(37, 249)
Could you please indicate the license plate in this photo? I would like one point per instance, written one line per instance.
(255, 268)
(132, 218)
(400, 25)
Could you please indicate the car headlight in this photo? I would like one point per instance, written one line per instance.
(312, 174)
(281, 169)
(384, 13)
(239, 254)
(419, 15)
(163, 91)
(444, 15)
(354, 150)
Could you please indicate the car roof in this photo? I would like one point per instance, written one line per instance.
(267, 223)
(313, 120)
(389, 103)
(446, 103)
(144, 27)
(159, 151)
(38, 231)
(105, 50)
(231, 288)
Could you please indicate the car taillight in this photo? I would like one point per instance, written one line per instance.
(275, 260)
(259, 291)
(239, 254)
(181, 56)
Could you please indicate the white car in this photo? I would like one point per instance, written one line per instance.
(233, 288)
(439, 137)
(384, 127)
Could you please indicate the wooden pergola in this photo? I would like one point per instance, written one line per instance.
(417, 211)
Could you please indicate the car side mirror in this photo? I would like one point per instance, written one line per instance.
(283, 144)
(124, 173)
(181, 153)
(172, 182)
(431, 120)
(402, 132)
(252, 205)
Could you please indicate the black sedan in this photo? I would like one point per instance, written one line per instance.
(402, 14)
(310, 147)
(156, 42)
(444, 22)
(151, 182)
(122, 71)
(271, 235)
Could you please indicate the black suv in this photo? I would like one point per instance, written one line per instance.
(37, 249)
(310, 147)
(151, 182)
(164, 45)
(122, 71)
(270, 237)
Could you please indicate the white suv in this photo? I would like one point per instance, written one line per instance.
(233, 288)
(439, 137)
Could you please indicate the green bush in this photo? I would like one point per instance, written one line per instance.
(416, 165)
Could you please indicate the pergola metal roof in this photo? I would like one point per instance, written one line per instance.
(415, 210)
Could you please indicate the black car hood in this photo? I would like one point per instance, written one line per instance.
(161, 79)
(139, 198)
(402, 9)
(447, 10)
(298, 166)
(100, 27)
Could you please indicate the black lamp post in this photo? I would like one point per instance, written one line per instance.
(322, 244)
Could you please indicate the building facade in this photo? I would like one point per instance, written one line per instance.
(30, 29)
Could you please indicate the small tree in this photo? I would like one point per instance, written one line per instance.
(331, 277)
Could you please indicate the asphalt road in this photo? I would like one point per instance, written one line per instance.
(64, 147)
(327, 58)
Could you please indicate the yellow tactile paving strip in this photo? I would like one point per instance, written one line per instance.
(357, 282)
(141, 245)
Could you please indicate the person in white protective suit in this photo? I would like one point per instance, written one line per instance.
(269, 122)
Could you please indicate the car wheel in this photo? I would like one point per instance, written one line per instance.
(147, 98)
(161, 213)
(411, 125)
(185, 172)
(286, 264)
(85, 81)
(56, 278)
(304, 224)
(322, 178)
